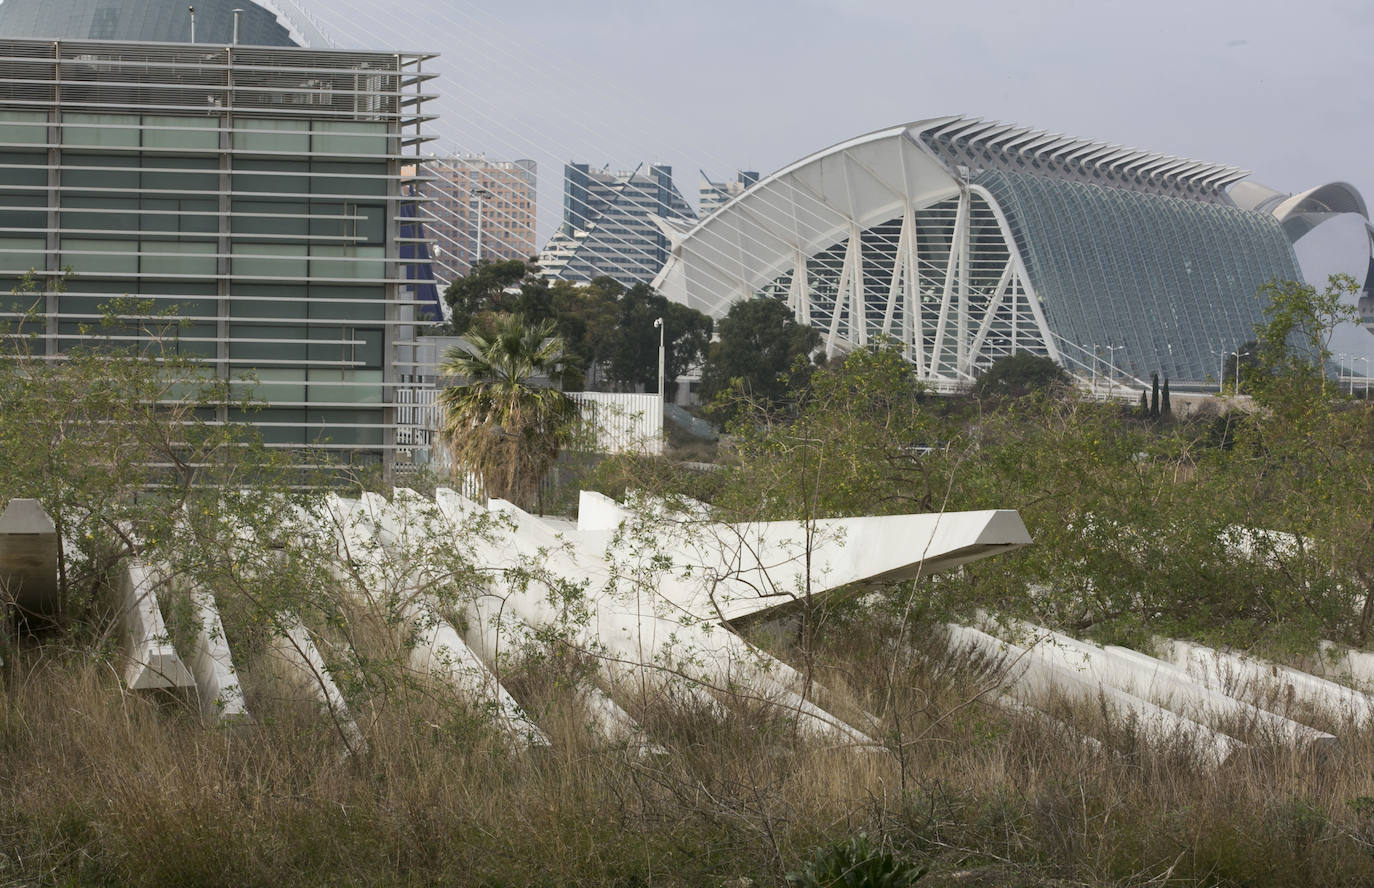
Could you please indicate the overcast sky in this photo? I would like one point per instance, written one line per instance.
(1279, 88)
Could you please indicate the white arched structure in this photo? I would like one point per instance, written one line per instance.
(966, 240)
(834, 196)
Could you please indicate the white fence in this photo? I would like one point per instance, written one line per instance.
(623, 422)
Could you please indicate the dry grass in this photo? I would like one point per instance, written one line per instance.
(107, 788)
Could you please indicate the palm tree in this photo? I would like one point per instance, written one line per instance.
(496, 422)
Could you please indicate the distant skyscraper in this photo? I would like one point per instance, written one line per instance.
(714, 195)
(472, 195)
(608, 224)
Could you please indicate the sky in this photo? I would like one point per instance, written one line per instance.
(1278, 88)
(1275, 87)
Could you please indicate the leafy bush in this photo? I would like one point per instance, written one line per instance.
(855, 863)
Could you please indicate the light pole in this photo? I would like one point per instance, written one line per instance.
(482, 196)
(1111, 368)
(658, 322)
(1096, 349)
(1238, 355)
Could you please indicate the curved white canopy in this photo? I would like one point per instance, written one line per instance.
(802, 208)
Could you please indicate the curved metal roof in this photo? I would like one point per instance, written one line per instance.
(154, 21)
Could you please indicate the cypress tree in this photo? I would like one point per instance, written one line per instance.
(1164, 405)
(1144, 403)
(1154, 394)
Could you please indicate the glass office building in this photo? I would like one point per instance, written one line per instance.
(609, 226)
(966, 240)
(258, 190)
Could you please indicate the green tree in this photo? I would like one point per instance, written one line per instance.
(587, 321)
(484, 289)
(686, 334)
(116, 434)
(1017, 375)
(760, 345)
(498, 422)
(1295, 338)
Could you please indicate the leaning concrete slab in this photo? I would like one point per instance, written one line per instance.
(28, 561)
(440, 651)
(217, 683)
(298, 650)
(652, 632)
(1346, 664)
(150, 659)
(1163, 684)
(1237, 674)
(1032, 676)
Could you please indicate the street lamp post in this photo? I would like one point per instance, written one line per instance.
(1238, 355)
(658, 322)
(1111, 368)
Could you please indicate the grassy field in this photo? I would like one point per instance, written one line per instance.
(104, 787)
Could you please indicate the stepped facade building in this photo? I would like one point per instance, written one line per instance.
(614, 224)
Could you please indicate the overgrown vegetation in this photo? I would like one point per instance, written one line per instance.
(1142, 526)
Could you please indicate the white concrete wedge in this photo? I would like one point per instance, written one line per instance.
(1048, 723)
(217, 683)
(440, 651)
(298, 650)
(1031, 676)
(642, 633)
(1161, 683)
(1341, 663)
(1236, 674)
(1168, 682)
(150, 659)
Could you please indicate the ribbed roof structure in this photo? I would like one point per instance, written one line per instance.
(967, 240)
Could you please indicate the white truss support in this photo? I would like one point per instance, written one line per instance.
(994, 306)
(1016, 292)
(1043, 327)
(799, 295)
(913, 315)
(150, 659)
(1023, 279)
(858, 296)
(849, 294)
(961, 240)
(894, 287)
(948, 293)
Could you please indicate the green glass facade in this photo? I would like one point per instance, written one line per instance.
(1173, 281)
(256, 190)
